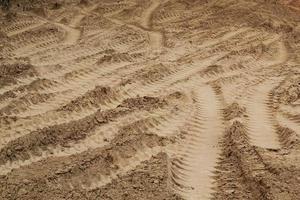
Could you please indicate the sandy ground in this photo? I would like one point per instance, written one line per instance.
(150, 99)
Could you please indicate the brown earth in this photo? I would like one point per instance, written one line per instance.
(136, 99)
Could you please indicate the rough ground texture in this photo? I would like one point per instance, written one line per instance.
(150, 99)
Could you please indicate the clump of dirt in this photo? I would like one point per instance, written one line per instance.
(142, 102)
(149, 74)
(114, 58)
(34, 5)
(7, 94)
(10, 16)
(7, 119)
(16, 67)
(256, 50)
(213, 69)
(175, 96)
(83, 2)
(38, 84)
(35, 98)
(154, 73)
(6, 81)
(233, 111)
(288, 138)
(288, 91)
(10, 70)
(92, 98)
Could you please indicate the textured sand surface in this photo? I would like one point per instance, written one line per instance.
(150, 99)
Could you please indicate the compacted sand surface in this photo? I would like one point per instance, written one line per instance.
(150, 99)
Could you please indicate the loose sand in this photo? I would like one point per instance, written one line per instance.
(150, 99)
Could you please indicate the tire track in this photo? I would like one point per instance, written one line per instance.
(152, 88)
(38, 109)
(260, 120)
(149, 89)
(155, 37)
(88, 80)
(117, 83)
(191, 173)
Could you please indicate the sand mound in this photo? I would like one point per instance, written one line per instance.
(92, 98)
(233, 111)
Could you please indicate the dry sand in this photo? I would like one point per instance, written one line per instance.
(150, 99)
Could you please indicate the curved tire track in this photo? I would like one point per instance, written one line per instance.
(191, 173)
